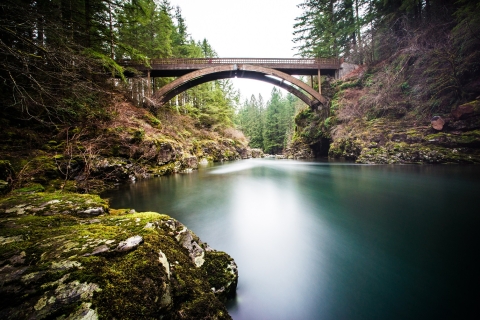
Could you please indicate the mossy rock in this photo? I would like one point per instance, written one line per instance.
(458, 140)
(417, 153)
(348, 149)
(29, 188)
(57, 262)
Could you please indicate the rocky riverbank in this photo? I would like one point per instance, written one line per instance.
(65, 254)
(361, 128)
(69, 256)
(130, 144)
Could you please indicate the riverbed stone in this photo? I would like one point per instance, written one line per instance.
(257, 153)
(18, 259)
(65, 265)
(437, 123)
(189, 162)
(162, 258)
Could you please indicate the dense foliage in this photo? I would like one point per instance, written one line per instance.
(269, 127)
(57, 59)
(370, 30)
(329, 28)
(422, 54)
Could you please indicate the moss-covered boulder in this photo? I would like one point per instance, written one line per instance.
(69, 256)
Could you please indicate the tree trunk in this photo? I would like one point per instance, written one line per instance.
(332, 23)
(111, 31)
(359, 34)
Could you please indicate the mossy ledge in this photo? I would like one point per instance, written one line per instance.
(69, 256)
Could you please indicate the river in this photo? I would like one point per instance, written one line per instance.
(320, 240)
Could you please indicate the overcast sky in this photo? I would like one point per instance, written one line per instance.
(244, 29)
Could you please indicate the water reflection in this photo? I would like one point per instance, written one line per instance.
(319, 240)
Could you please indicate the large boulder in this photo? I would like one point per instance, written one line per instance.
(57, 261)
(466, 110)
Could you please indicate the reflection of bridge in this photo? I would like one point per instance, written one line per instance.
(192, 72)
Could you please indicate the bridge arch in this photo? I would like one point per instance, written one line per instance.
(298, 88)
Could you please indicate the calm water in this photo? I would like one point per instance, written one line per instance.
(317, 240)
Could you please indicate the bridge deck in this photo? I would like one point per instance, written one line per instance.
(176, 67)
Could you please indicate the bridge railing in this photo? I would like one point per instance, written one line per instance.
(293, 61)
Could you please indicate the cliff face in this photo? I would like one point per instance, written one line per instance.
(377, 117)
(69, 256)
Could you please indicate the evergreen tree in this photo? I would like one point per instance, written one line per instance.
(180, 37)
(274, 127)
(145, 29)
(250, 120)
(330, 28)
(53, 56)
(288, 118)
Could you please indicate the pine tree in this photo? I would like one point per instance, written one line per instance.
(274, 128)
(144, 29)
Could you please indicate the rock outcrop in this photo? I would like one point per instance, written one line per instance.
(386, 142)
(60, 259)
(384, 132)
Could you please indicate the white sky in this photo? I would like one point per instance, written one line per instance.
(243, 29)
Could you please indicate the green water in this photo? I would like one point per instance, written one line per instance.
(317, 240)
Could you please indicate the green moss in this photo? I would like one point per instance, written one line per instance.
(138, 135)
(350, 84)
(219, 273)
(165, 169)
(152, 120)
(305, 114)
(469, 138)
(329, 122)
(227, 154)
(30, 188)
(46, 203)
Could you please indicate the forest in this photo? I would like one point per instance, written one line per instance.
(60, 56)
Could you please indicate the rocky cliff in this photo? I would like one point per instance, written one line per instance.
(373, 117)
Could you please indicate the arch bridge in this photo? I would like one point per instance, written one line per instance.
(280, 72)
